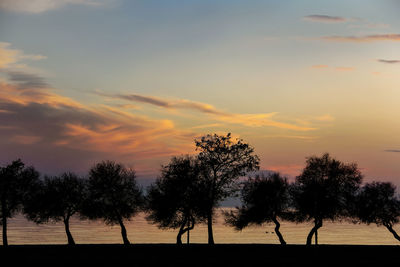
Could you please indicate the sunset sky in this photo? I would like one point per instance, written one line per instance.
(137, 81)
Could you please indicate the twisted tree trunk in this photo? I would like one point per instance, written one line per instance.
(180, 233)
(183, 230)
(317, 225)
(277, 232)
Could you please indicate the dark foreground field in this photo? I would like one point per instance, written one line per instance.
(200, 255)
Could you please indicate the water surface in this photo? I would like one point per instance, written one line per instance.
(21, 231)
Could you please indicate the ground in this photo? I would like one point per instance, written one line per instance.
(201, 255)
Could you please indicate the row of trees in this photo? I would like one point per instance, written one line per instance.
(326, 190)
(190, 188)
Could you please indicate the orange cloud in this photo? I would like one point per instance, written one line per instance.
(249, 120)
(262, 120)
(11, 93)
(319, 66)
(301, 137)
(42, 120)
(326, 117)
(118, 137)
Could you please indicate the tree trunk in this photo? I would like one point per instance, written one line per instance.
(317, 225)
(123, 233)
(71, 241)
(316, 237)
(277, 232)
(310, 235)
(210, 230)
(390, 228)
(183, 230)
(180, 233)
(188, 233)
(4, 222)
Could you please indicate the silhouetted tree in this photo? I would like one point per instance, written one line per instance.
(377, 203)
(15, 181)
(112, 195)
(173, 201)
(57, 199)
(324, 190)
(223, 161)
(264, 200)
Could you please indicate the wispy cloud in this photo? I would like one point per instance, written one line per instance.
(319, 66)
(251, 120)
(40, 6)
(26, 80)
(326, 117)
(370, 25)
(301, 137)
(144, 99)
(388, 61)
(326, 67)
(11, 58)
(325, 19)
(363, 39)
(393, 150)
(169, 104)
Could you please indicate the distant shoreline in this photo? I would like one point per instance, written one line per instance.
(202, 255)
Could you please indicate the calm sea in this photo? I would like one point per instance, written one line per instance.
(21, 231)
